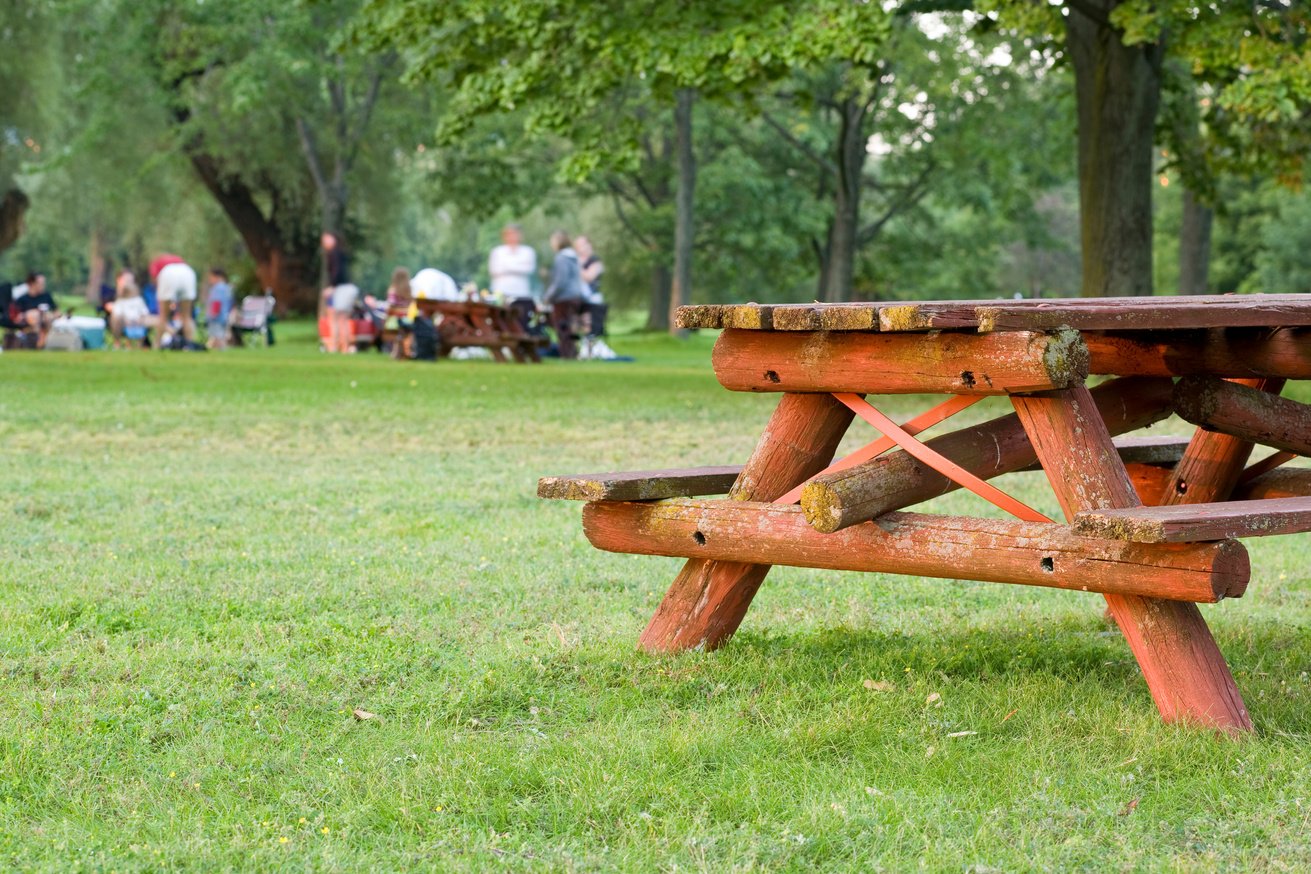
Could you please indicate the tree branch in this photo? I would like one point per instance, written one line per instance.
(815, 157)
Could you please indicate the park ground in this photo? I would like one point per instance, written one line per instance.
(209, 562)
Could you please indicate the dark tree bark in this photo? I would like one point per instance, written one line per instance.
(657, 318)
(287, 265)
(684, 227)
(838, 274)
(1118, 90)
(1195, 246)
(12, 208)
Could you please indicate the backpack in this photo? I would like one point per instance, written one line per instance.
(425, 339)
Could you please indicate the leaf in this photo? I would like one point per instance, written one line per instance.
(962, 733)
(879, 685)
(934, 699)
(362, 714)
(1128, 808)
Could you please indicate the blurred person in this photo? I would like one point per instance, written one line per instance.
(399, 292)
(594, 305)
(36, 306)
(339, 294)
(218, 308)
(130, 318)
(175, 289)
(564, 293)
(512, 266)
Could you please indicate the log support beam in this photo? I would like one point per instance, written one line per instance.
(708, 599)
(1184, 668)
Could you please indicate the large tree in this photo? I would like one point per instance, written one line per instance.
(1254, 56)
(581, 70)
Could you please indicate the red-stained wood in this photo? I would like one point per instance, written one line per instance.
(896, 480)
(993, 550)
(1149, 480)
(708, 599)
(1234, 353)
(1190, 523)
(898, 364)
(1285, 483)
(1184, 669)
(1244, 412)
(1213, 462)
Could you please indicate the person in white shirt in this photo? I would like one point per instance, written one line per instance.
(512, 266)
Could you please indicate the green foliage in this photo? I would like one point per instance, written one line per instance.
(575, 70)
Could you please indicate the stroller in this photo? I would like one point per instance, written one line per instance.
(365, 328)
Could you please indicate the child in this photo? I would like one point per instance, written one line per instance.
(218, 306)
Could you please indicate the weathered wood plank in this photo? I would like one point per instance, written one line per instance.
(898, 363)
(1245, 412)
(1184, 668)
(893, 481)
(1233, 353)
(1093, 314)
(640, 485)
(708, 599)
(1188, 523)
(1005, 551)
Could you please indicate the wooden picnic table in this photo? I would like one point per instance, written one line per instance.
(476, 323)
(1150, 523)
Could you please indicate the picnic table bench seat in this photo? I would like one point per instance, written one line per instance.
(1151, 522)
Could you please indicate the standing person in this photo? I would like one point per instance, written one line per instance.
(218, 308)
(594, 308)
(565, 293)
(339, 293)
(512, 266)
(175, 287)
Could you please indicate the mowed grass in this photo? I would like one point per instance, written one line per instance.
(207, 562)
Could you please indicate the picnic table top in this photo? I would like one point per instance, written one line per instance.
(984, 316)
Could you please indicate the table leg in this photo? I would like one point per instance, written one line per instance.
(707, 600)
(1184, 669)
(1213, 461)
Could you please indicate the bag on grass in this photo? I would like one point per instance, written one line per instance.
(425, 339)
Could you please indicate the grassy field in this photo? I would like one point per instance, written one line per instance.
(209, 561)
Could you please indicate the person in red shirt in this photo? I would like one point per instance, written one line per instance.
(175, 288)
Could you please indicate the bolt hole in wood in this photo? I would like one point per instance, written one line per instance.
(967, 378)
(772, 376)
(1181, 487)
(699, 538)
(1048, 564)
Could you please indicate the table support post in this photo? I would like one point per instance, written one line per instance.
(707, 600)
(1184, 669)
(1213, 462)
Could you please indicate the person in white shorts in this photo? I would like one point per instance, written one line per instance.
(340, 294)
(175, 289)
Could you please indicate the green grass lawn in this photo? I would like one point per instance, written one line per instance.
(208, 561)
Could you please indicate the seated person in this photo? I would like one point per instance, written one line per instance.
(38, 308)
(399, 293)
(130, 318)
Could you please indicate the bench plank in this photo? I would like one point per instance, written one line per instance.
(640, 485)
(1189, 523)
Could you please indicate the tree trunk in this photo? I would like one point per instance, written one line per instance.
(1118, 89)
(290, 267)
(12, 207)
(840, 270)
(681, 290)
(657, 317)
(1195, 246)
(95, 267)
